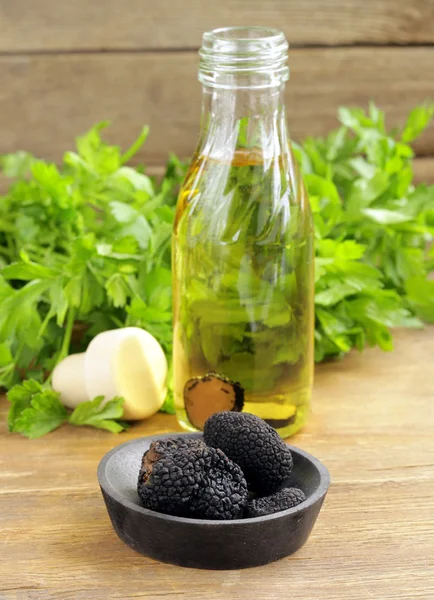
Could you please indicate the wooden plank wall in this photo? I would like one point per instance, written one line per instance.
(67, 65)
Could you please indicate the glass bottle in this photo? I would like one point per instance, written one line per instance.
(243, 245)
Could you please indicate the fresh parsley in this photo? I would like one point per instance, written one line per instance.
(36, 410)
(85, 247)
(103, 416)
(373, 228)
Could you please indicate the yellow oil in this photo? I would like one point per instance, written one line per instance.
(243, 285)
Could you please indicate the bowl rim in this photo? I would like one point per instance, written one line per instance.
(318, 494)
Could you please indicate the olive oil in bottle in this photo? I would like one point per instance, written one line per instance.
(243, 245)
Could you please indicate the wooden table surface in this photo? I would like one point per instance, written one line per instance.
(372, 424)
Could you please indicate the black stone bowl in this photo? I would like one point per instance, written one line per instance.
(206, 544)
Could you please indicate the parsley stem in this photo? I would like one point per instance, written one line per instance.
(135, 147)
(64, 349)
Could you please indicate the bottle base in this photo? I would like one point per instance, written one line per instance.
(284, 431)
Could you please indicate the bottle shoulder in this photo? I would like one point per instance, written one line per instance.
(275, 178)
(246, 198)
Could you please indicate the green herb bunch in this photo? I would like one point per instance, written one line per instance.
(85, 247)
(373, 230)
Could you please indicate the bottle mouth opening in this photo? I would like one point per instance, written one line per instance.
(251, 39)
(258, 52)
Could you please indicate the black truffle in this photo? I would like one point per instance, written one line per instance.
(255, 446)
(184, 477)
(286, 498)
(204, 396)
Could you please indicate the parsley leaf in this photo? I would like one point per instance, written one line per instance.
(20, 397)
(35, 410)
(101, 416)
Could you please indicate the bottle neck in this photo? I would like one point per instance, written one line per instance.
(240, 121)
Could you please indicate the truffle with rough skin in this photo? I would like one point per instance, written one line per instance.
(204, 396)
(255, 446)
(267, 505)
(173, 444)
(184, 477)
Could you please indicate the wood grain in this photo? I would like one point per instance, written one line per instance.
(372, 424)
(49, 25)
(45, 101)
